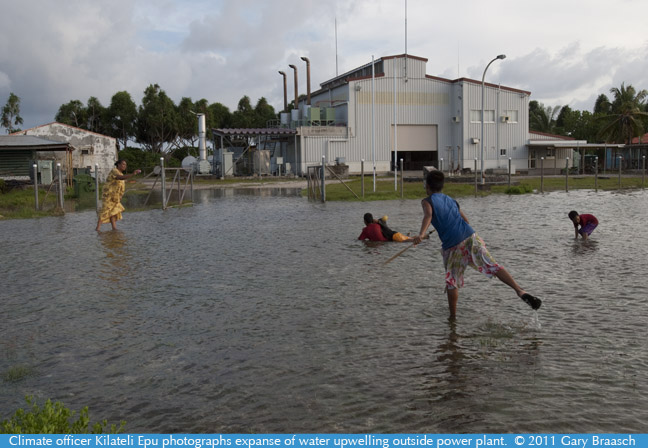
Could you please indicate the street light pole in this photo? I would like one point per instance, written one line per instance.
(501, 56)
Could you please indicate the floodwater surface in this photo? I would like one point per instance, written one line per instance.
(248, 313)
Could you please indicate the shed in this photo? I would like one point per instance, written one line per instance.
(18, 153)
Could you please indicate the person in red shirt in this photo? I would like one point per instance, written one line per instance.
(372, 231)
(587, 223)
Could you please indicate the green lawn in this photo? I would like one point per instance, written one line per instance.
(519, 185)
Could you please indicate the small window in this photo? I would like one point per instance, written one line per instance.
(502, 152)
(512, 115)
(85, 152)
(551, 152)
(489, 116)
(475, 116)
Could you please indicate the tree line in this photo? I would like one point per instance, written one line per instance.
(158, 125)
(614, 120)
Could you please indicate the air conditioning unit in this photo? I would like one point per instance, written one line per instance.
(456, 119)
(474, 140)
(505, 118)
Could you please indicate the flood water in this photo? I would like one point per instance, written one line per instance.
(249, 313)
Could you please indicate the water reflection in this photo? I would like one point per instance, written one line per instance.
(268, 309)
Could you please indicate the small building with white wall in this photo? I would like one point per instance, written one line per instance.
(87, 148)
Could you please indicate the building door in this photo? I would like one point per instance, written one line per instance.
(417, 146)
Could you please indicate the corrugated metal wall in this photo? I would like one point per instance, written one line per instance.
(368, 107)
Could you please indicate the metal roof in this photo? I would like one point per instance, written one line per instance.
(29, 142)
(251, 132)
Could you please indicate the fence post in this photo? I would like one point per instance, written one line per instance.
(643, 171)
(541, 174)
(402, 177)
(163, 174)
(97, 186)
(566, 173)
(509, 179)
(362, 177)
(36, 185)
(441, 165)
(60, 185)
(620, 159)
(323, 179)
(475, 176)
(596, 173)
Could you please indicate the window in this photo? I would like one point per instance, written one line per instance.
(551, 152)
(512, 114)
(85, 152)
(475, 116)
(502, 152)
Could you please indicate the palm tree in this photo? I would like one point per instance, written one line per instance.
(626, 116)
(543, 119)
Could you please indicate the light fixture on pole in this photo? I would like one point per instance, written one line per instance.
(305, 59)
(501, 56)
(285, 91)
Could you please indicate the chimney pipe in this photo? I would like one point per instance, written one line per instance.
(202, 146)
(296, 96)
(304, 58)
(285, 109)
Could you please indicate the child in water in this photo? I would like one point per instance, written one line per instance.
(587, 223)
(377, 230)
(461, 246)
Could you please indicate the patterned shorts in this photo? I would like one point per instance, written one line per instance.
(470, 252)
(589, 228)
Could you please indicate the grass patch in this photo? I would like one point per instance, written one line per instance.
(16, 373)
(415, 190)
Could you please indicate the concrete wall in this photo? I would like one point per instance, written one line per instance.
(89, 148)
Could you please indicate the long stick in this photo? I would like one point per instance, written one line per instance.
(403, 251)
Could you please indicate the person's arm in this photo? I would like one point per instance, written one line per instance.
(575, 229)
(427, 220)
(127, 176)
(465, 218)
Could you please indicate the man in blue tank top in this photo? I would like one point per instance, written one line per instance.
(461, 246)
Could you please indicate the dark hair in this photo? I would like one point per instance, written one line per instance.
(368, 218)
(572, 214)
(434, 180)
(119, 161)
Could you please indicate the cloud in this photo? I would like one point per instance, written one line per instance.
(220, 50)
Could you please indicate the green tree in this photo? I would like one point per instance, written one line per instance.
(122, 118)
(264, 113)
(187, 123)
(96, 116)
(541, 118)
(219, 116)
(244, 116)
(157, 119)
(73, 113)
(11, 114)
(627, 115)
(602, 105)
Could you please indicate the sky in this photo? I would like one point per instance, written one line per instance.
(564, 52)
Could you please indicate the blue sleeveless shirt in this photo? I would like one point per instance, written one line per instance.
(447, 220)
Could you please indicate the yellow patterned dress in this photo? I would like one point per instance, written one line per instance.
(113, 190)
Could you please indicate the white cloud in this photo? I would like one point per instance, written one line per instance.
(54, 52)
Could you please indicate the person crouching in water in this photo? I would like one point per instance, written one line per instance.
(377, 230)
(461, 246)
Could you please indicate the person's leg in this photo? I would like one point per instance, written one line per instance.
(453, 298)
(113, 222)
(506, 278)
(98, 224)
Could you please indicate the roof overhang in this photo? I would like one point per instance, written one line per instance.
(254, 132)
(31, 143)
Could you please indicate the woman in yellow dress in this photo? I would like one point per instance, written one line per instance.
(113, 190)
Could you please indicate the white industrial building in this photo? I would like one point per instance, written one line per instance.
(391, 109)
